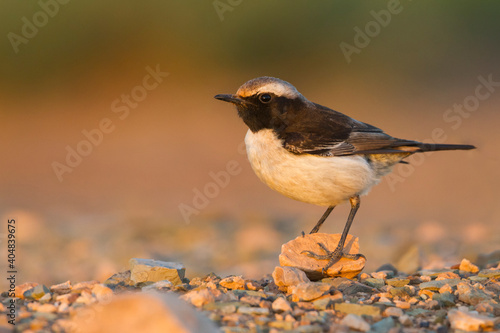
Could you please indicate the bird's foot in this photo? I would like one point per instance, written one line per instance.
(332, 256)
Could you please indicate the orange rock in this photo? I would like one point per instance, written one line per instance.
(291, 255)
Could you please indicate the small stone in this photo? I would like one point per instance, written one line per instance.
(467, 266)
(285, 277)
(432, 304)
(307, 291)
(469, 321)
(292, 255)
(101, 292)
(446, 289)
(401, 292)
(355, 322)
(382, 275)
(47, 308)
(392, 312)
(85, 285)
(347, 286)
(383, 325)
(280, 304)
(199, 297)
(251, 310)
(45, 298)
(63, 308)
(395, 282)
(375, 283)
(358, 309)
(85, 298)
(149, 270)
(470, 295)
(402, 305)
(436, 285)
(445, 299)
(36, 292)
(233, 282)
(405, 320)
(67, 298)
(447, 275)
(21, 289)
(159, 286)
(490, 273)
(61, 288)
(489, 307)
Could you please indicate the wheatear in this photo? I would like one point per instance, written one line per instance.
(314, 154)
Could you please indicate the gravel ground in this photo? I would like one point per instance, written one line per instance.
(463, 297)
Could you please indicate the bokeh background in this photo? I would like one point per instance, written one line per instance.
(125, 198)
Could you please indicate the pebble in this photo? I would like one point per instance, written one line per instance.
(281, 305)
(375, 283)
(383, 325)
(101, 292)
(470, 295)
(436, 285)
(149, 270)
(285, 277)
(467, 266)
(355, 322)
(251, 310)
(233, 282)
(396, 282)
(21, 289)
(307, 291)
(36, 292)
(61, 288)
(358, 309)
(405, 320)
(392, 312)
(468, 321)
(445, 299)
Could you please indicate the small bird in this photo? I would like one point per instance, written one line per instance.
(314, 154)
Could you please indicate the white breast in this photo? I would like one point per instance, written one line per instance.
(323, 181)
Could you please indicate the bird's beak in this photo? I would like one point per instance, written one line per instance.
(230, 98)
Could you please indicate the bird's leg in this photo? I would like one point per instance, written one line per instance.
(338, 253)
(322, 220)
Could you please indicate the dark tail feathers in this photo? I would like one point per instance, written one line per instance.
(439, 146)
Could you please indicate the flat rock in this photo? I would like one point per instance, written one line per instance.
(436, 285)
(147, 313)
(280, 304)
(291, 255)
(470, 295)
(149, 270)
(233, 282)
(358, 309)
(468, 321)
(307, 291)
(375, 283)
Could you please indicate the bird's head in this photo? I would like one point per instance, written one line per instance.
(264, 102)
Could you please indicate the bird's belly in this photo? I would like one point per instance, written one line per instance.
(324, 181)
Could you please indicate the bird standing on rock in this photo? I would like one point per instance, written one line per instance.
(314, 154)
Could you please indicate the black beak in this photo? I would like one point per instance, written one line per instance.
(230, 98)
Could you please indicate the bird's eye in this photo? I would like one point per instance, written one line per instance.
(265, 98)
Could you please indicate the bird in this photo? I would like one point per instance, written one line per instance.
(311, 153)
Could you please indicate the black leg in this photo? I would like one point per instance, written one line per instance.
(322, 220)
(338, 253)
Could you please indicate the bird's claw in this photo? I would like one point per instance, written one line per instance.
(332, 256)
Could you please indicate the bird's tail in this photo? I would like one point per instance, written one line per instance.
(438, 146)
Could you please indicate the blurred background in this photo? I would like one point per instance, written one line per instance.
(145, 149)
